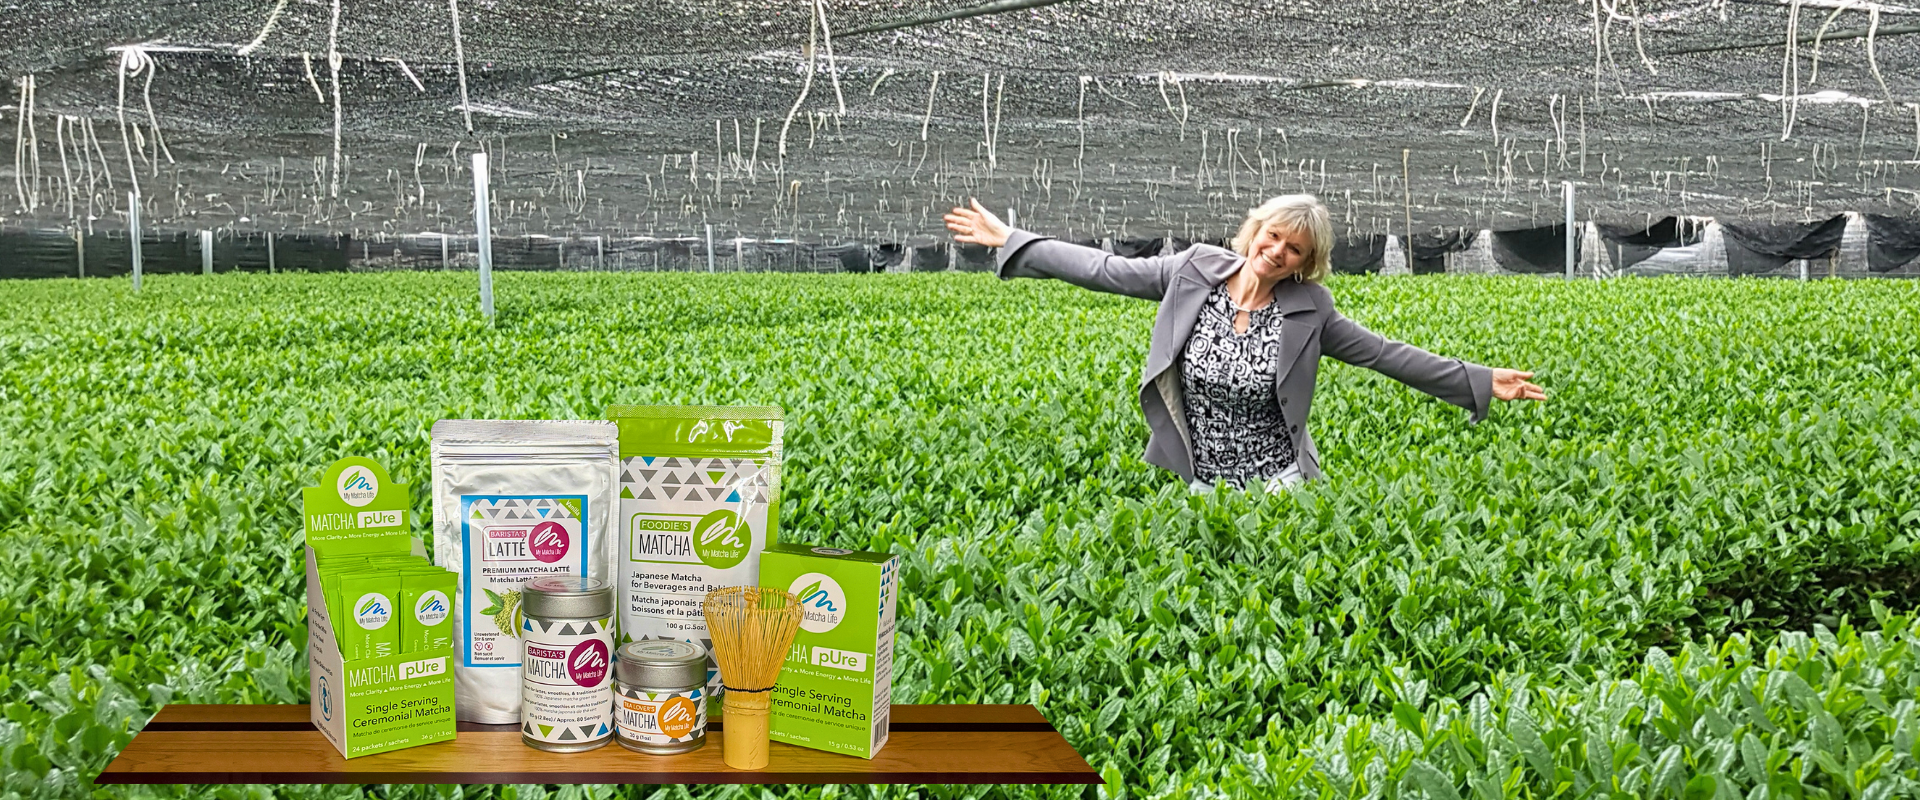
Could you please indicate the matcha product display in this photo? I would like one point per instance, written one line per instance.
(836, 693)
(699, 500)
(515, 500)
(567, 700)
(370, 693)
(660, 696)
(752, 628)
(374, 612)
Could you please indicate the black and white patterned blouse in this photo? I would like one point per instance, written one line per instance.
(1233, 416)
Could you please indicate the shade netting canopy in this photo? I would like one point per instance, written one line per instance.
(853, 120)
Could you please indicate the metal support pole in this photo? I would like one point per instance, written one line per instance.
(80, 250)
(206, 252)
(270, 265)
(483, 225)
(1566, 192)
(739, 255)
(444, 265)
(600, 253)
(133, 234)
(709, 248)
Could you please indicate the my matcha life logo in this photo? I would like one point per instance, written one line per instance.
(431, 608)
(548, 542)
(357, 486)
(587, 664)
(372, 611)
(721, 539)
(822, 603)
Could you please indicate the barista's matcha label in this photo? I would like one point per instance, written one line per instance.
(510, 539)
(567, 696)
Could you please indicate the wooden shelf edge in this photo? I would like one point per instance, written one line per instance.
(642, 778)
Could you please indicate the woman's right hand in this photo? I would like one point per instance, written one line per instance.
(977, 225)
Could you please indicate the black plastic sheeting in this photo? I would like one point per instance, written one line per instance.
(1535, 251)
(1629, 245)
(1892, 242)
(1427, 252)
(1757, 247)
(856, 259)
(930, 258)
(1136, 248)
(1359, 255)
(887, 256)
(975, 258)
(55, 254)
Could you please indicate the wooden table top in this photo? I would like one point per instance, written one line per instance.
(216, 744)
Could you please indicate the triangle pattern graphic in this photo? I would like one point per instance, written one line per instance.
(545, 730)
(715, 492)
(645, 494)
(566, 630)
(566, 735)
(626, 493)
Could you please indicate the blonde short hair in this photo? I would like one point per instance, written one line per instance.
(1298, 213)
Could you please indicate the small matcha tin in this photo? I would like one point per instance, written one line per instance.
(660, 696)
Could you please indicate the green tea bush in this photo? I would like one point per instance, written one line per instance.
(1722, 462)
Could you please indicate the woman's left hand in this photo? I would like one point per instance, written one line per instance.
(1511, 384)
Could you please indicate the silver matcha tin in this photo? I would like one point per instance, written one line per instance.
(660, 696)
(566, 597)
(567, 642)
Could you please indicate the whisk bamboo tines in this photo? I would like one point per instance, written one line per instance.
(751, 629)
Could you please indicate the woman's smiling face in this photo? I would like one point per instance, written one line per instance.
(1278, 252)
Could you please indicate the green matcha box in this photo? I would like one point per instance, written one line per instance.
(836, 690)
(390, 701)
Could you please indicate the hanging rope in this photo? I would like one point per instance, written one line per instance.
(833, 72)
(133, 60)
(153, 122)
(1790, 74)
(20, 145)
(460, 64)
(806, 85)
(272, 17)
(928, 119)
(333, 69)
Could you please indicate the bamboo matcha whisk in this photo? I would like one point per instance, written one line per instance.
(751, 629)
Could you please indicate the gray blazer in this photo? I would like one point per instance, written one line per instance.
(1310, 328)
